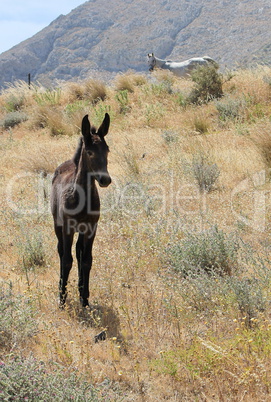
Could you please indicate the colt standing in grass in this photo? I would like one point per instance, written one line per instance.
(75, 204)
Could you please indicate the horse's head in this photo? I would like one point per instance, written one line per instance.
(151, 61)
(96, 149)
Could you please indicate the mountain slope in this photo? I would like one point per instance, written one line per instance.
(102, 38)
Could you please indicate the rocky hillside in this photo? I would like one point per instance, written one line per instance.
(101, 38)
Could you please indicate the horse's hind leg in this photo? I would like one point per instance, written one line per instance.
(59, 235)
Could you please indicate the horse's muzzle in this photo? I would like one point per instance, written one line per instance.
(104, 180)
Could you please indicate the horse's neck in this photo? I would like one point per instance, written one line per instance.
(160, 62)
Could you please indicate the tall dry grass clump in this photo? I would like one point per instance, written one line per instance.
(94, 91)
(128, 81)
(262, 138)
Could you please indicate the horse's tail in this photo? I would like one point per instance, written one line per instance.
(210, 60)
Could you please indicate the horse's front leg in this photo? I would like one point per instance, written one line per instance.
(85, 268)
(65, 267)
(79, 256)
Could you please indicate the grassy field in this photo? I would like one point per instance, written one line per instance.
(181, 272)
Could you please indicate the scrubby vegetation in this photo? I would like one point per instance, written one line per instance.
(181, 280)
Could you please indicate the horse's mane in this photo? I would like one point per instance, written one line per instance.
(77, 154)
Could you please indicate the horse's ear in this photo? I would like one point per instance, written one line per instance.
(104, 127)
(85, 126)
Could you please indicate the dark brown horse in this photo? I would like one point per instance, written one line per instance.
(75, 204)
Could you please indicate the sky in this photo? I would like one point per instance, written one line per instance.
(21, 19)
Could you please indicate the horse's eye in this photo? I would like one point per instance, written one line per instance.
(90, 153)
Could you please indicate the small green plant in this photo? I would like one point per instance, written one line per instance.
(48, 97)
(154, 112)
(123, 101)
(204, 172)
(12, 119)
(14, 103)
(208, 84)
(210, 251)
(99, 112)
(77, 106)
(182, 100)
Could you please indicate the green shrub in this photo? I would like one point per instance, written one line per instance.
(31, 380)
(210, 251)
(13, 118)
(208, 84)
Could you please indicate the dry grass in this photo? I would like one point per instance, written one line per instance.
(129, 81)
(168, 338)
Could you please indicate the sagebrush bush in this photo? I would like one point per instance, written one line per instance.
(231, 109)
(34, 254)
(249, 296)
(17, 317)
(12, 119)
(210, 251)
(170, 136)
(208, 84)
(204, 172)
(27, 379)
